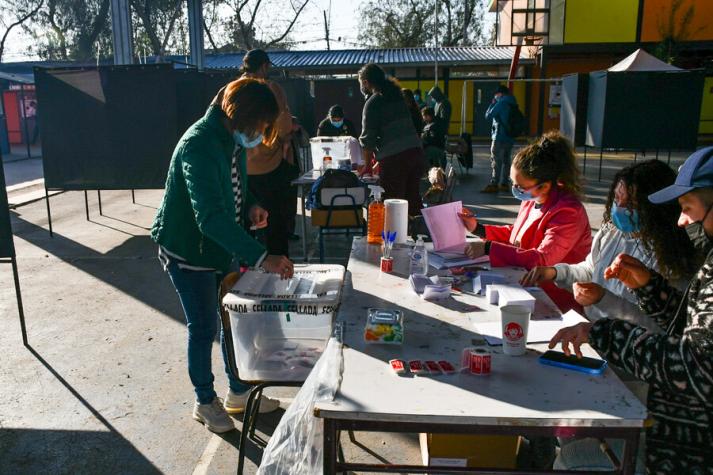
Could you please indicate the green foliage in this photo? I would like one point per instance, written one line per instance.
(411, 23)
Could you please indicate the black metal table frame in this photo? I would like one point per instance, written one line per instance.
(333, 427)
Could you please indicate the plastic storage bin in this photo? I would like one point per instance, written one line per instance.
(280, 327)
(337, 148)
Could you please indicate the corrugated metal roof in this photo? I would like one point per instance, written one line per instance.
(353, 58)
(349, 59)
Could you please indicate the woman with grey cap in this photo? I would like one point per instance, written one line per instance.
(678, 364)
(336, 125)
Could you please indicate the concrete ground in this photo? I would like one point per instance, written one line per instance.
(103, 386)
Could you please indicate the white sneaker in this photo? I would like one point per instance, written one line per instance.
(235, 403)
(213, 416)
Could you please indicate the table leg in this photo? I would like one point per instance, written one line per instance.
(330, 447)
(303, 197)
(628, 459)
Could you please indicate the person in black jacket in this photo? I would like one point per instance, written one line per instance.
(677, 364)
(434, 140)
(335, 125)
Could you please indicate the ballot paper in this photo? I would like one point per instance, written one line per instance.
(446, 228)
(502, 295)
(539, 331)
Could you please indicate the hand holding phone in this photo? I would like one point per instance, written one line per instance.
(583, 364)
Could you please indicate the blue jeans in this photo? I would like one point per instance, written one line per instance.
(198, 292)
(500, 162)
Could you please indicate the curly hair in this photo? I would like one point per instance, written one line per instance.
(551, 158)
(659, 232)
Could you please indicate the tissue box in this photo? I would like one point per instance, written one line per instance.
(502, 295)
(384, 326)
(485, 278)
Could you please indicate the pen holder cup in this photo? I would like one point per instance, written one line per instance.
(387, 264)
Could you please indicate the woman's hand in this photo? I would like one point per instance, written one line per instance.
(538, 275)
(577, 335)
(278, 265)
(469, 220)
(475, 249)
(587, 293)
(630, 271)
(258, 217)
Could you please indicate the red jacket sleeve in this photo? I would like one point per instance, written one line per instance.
(498, 233)
(563, 232)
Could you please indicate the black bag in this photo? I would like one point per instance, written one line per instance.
(332, 178)
(516, 122)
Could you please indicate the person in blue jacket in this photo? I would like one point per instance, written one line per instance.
(502, 141)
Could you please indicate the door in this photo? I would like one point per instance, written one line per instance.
(483, 92)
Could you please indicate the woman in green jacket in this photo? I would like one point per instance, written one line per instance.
(202, 230)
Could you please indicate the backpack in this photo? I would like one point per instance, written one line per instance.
(332, 178)
(516, 122)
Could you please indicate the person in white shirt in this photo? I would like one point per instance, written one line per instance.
(634, 226)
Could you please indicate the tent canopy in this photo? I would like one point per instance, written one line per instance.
(640, 60)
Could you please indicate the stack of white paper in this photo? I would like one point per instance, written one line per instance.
(502, 295)
(485, 278)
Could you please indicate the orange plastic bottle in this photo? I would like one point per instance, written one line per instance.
(375, 226)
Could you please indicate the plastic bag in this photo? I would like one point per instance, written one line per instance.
(296, 446)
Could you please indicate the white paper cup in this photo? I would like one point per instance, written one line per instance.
(515, 322)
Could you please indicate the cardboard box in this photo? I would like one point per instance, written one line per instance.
(340, 217)
(477, 451)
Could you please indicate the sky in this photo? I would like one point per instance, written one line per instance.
(308, 35)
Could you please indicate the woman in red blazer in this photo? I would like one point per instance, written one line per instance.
(552, 224)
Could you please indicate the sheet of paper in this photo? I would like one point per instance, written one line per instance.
(539, 331)
(444, 224)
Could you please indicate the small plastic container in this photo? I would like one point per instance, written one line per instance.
(281, 327)
(384, 326)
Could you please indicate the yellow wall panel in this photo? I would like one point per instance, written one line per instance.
(600, 21)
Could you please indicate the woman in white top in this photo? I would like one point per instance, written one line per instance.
(633, 226)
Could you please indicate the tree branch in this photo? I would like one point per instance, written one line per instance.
(210, 37)
(169, 28)
(19, 22)
(289, 27)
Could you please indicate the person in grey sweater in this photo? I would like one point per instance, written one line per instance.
(388, 134)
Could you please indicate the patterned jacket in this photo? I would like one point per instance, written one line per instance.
(678, 365)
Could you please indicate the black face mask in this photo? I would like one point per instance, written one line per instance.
(697, 234)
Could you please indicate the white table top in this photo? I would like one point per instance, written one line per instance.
(520, 390)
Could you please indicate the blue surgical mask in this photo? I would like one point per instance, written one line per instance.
(416, 98)
(522, 195)
(626, 220)
(337, 123)
(246, 142)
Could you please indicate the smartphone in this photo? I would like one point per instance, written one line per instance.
(584, 364)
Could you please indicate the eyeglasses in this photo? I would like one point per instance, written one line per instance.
(526, 190)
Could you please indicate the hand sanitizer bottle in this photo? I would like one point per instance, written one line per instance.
(419, 258)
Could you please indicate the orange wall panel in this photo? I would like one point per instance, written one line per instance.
(657, 14)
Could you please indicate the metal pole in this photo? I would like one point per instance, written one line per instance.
(464, 99)
(49, 215)
(601, 158)
(133, 197)
(435, 46)
(24, 119)
(23, 328)
(195, 32)
(668, 160)
(86, 204)
(99, 198)
(121, 32)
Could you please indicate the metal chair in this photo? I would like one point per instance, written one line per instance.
(252, 406)
(337, 203)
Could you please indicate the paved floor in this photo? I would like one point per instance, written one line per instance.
(103, 387)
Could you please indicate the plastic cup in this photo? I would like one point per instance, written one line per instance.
(515, 322)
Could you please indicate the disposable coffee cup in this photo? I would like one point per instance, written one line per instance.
(515, 322)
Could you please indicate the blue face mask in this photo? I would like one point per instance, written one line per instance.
(245, 142)
(626, 220)
(416, 98)
(522, 195)
(337, 123)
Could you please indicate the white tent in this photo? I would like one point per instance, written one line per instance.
(640, 60)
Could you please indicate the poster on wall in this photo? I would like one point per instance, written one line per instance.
(555, 94)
